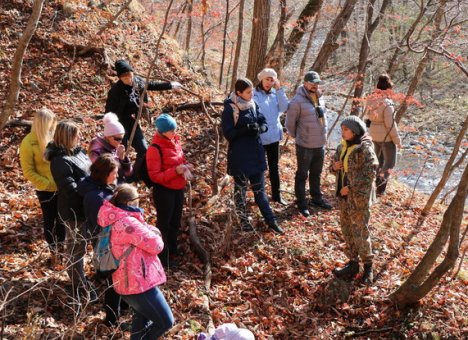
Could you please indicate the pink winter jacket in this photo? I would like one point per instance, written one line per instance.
(141, 270)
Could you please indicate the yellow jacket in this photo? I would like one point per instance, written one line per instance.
(35, 168)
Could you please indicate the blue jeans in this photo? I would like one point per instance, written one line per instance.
(309, 164)
(153, 316)
(257, 183)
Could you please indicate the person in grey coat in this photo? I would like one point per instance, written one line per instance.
(272, 101)
(306, 121)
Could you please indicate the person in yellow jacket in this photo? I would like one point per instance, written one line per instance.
(37, 170)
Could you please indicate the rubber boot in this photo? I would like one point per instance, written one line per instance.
(368, 276)
(348, 272)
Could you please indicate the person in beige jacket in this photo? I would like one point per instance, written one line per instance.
(37, 170)
(383, 130)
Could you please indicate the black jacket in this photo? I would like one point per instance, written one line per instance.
(124, 100)
(94, 194)
(68, 171)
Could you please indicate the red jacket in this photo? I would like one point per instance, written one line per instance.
(164, 172)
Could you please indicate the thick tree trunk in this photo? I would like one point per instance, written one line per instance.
(330, 45)
(449, 167)
(223, 56)
(240, 32)
(275, 57)
(364, 53)
(419, 283)
(17, 63)
(259, 38)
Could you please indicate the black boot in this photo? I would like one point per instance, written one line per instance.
(277, 198)
(368, 276)
(348, 272)
(273, 225)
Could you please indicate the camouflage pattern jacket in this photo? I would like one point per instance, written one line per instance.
(362, 168)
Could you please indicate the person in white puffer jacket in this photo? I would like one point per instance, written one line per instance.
(272, 100)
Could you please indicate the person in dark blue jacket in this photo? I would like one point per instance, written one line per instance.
(242, 124)
(96, 188)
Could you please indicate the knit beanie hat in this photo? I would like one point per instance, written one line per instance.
(355, 124)
(112, 125)
(312, 77)
(122, 66)
(267, 72)
(165, 123)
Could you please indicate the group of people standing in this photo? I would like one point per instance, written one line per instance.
(80, 191)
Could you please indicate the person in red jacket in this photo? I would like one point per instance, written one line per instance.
(169, 171)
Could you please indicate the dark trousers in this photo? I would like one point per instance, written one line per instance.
(257, 184)
(168, 203)
(273, 154)
(153, 316)
(139, 142)
(309, 164)
(54, 229)
(386, 153)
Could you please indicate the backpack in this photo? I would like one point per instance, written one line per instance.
(140, 168)
(104, 261)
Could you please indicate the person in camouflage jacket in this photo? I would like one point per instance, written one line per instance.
(355, 165)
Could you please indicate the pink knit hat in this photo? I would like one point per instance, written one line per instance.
(112, 125)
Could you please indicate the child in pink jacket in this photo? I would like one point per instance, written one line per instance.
(140, 272)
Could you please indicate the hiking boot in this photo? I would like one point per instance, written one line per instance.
(278, 199)
(368, 276)
(322, 203)
(348, 272)
(304, 212)
(273, 225)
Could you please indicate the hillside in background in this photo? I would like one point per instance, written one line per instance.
(279, 287)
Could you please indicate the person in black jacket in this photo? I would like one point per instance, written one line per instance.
(96, 188)
(69, 164)
(124, 100)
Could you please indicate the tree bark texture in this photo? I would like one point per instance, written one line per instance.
(17, 63)
(240, 32)
(364, 52)
(447, 170)
(275, 56)
(259, 38)
(417, 285)
(330, 45)
(189, 26)
(223, 56)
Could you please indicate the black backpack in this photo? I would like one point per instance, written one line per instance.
(140, 168)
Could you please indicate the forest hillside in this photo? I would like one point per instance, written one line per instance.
(277, 286)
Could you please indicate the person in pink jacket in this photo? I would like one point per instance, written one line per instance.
(140, 272)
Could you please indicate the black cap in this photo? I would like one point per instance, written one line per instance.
(122, 66)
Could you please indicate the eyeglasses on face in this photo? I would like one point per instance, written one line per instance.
(117, 139)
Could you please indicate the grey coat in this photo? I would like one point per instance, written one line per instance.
(303, 123)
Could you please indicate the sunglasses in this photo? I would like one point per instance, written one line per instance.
(117, 139)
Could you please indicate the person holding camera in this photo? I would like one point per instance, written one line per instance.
(306, 121)
(272, 101)
(242, 124)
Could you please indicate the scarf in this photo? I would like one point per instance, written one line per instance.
(346, 150)
(240, 104)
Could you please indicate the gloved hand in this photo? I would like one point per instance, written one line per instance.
(320, 111)
(253, 127)
(176, 85)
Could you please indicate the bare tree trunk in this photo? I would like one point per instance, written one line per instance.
(306, 52)
(420, 282)
(17, 64)
(275, 57)
(364, 52)
(224, 44)
(330, 45)
(231, 57)
(180, 21)
(203, 33)
(259, 38)
(240, 32)
(176, 20)
(449, 168)
(189, 26)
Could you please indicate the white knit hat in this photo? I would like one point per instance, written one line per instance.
(267, 72)
(112, 125)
